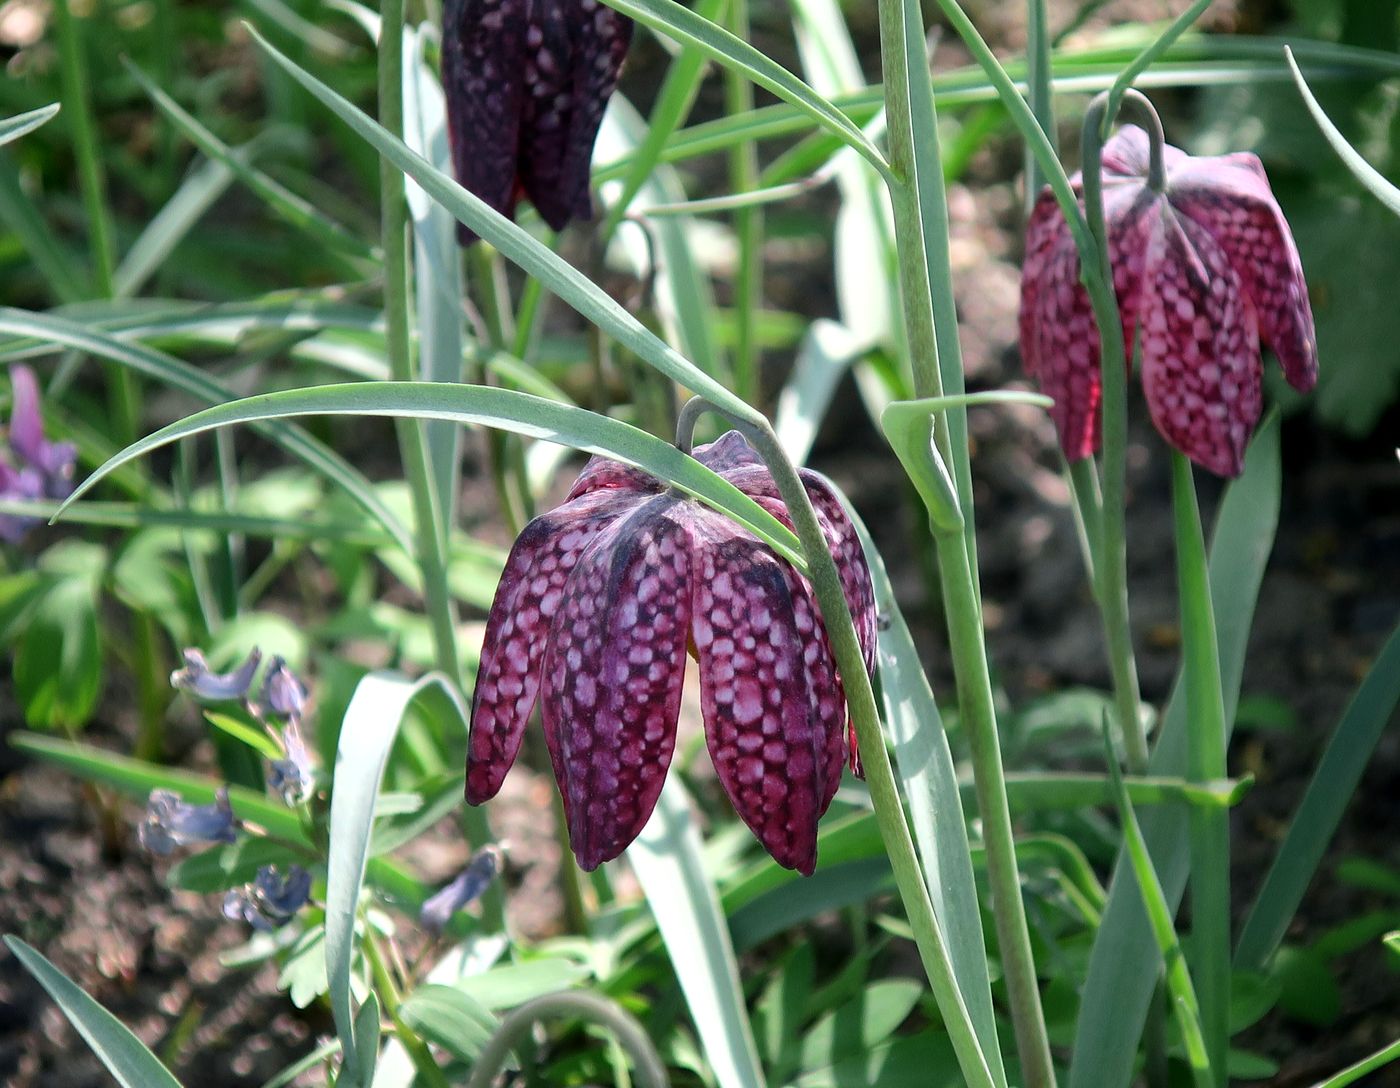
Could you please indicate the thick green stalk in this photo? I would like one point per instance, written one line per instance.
(961, 598)
(431, 531)
(1210, 831)
(1038, 49)
(1110, 571)
(431, 536)
(865, 716)
(748, 224)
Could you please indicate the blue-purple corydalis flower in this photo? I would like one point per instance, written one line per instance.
(272, 900)
(470, 884)
(214, 687)
(33, 467)
(291, 776)
(171, 821)
(283, 694)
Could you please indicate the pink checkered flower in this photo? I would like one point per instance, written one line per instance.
(526, 83)
(598, 604)
(1204, 270)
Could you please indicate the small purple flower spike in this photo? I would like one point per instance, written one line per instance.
(526, 83)
(171, 822)
(469, 885)
(43, 469)
(197, 678)
(1204, 270)
(598, 604)
(292, 776)
(272, 900)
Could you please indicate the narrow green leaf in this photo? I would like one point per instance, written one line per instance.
(126, 1057)
(1362, 170)
(489, 407)
(295, 210)
(12, 128)
(516, 245)
(1124, 962)
(180, 375)
(1315, 821)
(687, 28)
(930, 784)
(1370, 1064)
(666, 859)
(367, 735)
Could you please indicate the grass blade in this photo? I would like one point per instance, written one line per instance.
(519, 247)
(930, 782)
(489, 407)
(1124, 962)
(179, 375)
(1333, 784)
(666, 859)
(126, 1057)
(12, 128)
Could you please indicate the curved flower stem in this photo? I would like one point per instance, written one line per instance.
(865, 715)
(429, 519)
(922, 231)
(580, 1005)
(1110, 572)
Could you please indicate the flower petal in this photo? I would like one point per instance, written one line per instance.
(1060, 343)
(1230, 197)
(1127, 154)
(726, 453)
(1201, 372)
(575, 54)
(517, 628)
(603, 474)
(763, 740)
(483, 61)
(613, 673)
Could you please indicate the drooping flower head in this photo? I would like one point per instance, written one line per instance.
(32, 467)
(271, 900)
(526, 83)
(1204, 270)
(598, 603)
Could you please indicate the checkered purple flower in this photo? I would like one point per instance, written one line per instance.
(598, 604)
(526, 83)
(1204, 271)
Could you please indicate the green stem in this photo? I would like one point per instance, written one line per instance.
(1111, 574)
(387, 989)
(1038, 78)
(122, 392)
(748, 224)
(1209, 831)
(865, 716)
(428, 518)
(961, 599)
(650, 1070)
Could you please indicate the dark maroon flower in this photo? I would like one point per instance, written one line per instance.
(1204, 270)
(598, 604)
(526, 83)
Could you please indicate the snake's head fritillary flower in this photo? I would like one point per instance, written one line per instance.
(598, 604)
(526, 83)
(1204, 270)
(171, 821)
